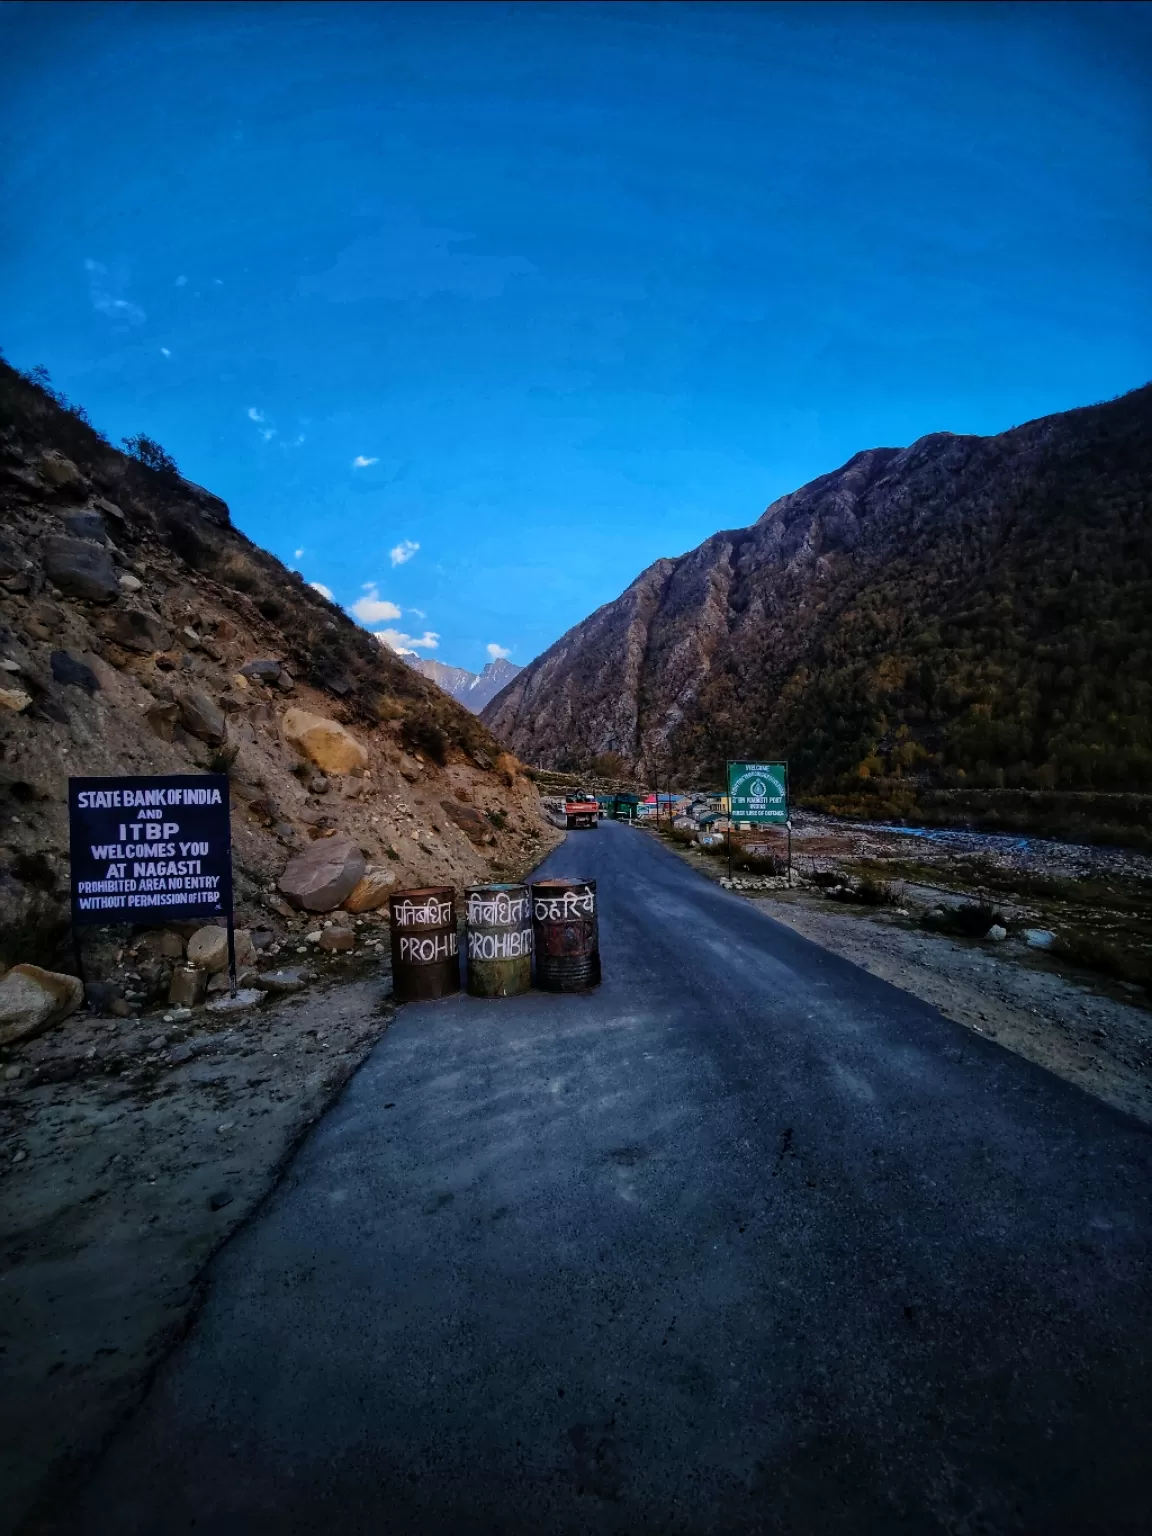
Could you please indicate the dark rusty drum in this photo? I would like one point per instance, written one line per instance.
(499, 927)
(567, 935)
(425, 949)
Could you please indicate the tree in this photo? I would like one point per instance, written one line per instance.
(149, 452)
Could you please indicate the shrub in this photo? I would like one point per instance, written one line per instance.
(1097, 954)
(149, 453)
(422, 734)
(970, 921)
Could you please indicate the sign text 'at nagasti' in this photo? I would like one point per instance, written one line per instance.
(150, 849)
(758, 792)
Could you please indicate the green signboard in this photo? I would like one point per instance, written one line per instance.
(758, 792)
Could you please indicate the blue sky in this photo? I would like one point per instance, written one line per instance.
(474, 311)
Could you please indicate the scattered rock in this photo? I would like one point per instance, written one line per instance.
(1039, 938)
(409, 769)
(163, 717)
(188, 986)
(219, 1200)
(130, 583)
(81, 568)
(14, 699)
(247, 997)
(337, 940)
(314, 937)
(289, 979)
(169, 944)
(201, 718)
(101, 995)
(266, 671)
(86, 525)
(135, 629)
(33, 999)
(996, 933)
(327, 743)
(323, 875)
(371, 892)
(72, 673)
(58, 470)
(469, 820)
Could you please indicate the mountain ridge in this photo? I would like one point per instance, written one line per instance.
(904, 617)
(472, 689)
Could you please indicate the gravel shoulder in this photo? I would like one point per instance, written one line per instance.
(126, 1167)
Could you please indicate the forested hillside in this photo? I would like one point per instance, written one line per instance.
(966, 613)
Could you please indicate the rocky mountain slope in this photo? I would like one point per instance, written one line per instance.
(141, 633)
(472, 689)
(966, 611)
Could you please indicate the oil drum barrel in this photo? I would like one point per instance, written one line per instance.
(498, 919)
(567, 934)
(425, 949)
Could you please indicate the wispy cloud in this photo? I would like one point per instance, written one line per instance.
(181, 281)
(268, 433)
(318, 586)
(403, 551)
(254, 414)
(297, 554)
(408, 645)
(106, 290)
(416, 613)
(164, 352)
(498, 652)
(361, 462)
(372, 608)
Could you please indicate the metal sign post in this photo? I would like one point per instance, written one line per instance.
(151, 850)
(758, 792)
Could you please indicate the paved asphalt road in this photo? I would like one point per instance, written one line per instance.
(745, 1241)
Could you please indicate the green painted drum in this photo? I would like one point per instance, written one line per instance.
(498, 919)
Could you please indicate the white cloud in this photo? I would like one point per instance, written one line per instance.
(408, 645)
(318, 586)
(372, 608)
(297, 554)
(105, 290)
(268, 433)
(498, 652)
(418, 612)
(181, 281)
(254, 414)
(164, 352)
(360, 462)
(296, 441)
(403, 552)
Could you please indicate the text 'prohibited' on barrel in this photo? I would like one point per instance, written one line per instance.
(567, 935)
(499, 925)
(425, 950)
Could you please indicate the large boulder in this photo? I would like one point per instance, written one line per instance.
(81, 568)
(208, 949)
(135, 630)
(326, 742)
(32, 1000)
(73, 673)
(201, 718)
(86, 525)
(371, 892)
(323, 875)
(59, 471)
(469, 820)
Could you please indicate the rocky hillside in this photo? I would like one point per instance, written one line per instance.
(965, 612)
(141, 633)
(472, 689)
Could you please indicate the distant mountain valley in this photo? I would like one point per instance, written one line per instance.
(475, 690)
